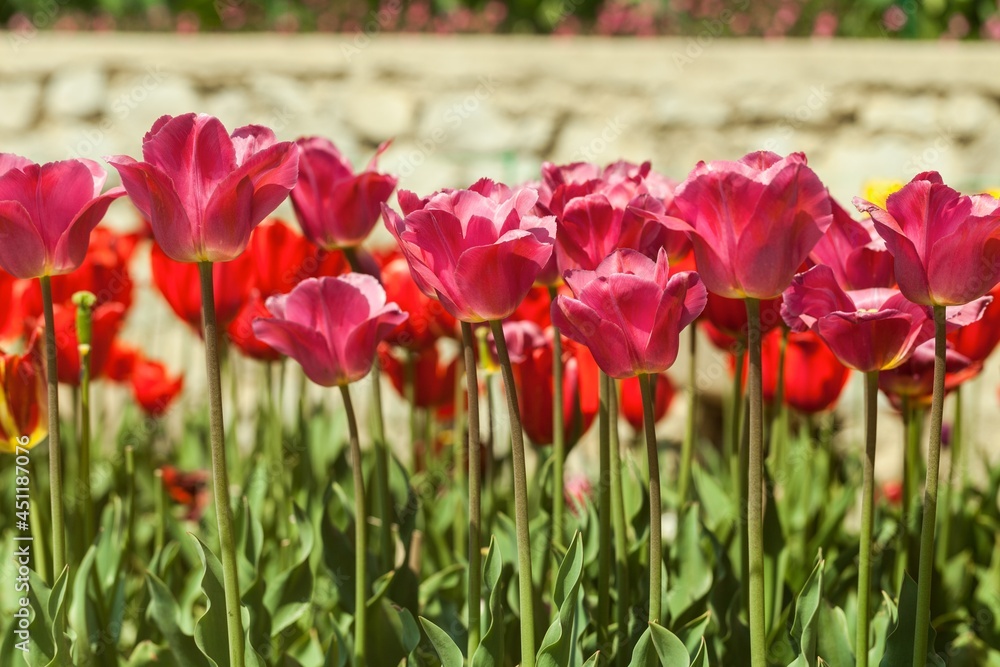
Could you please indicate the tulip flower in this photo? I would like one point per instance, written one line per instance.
(332, 326)
(336, 207)
(477, 251)
(913, 380)
(729, 318)
(122, 358)
(46, 215)
(976, 341)
(434, 380)
(11, 305)
(153, 387)
(204, 190)
(178, 282)
(854, 252)
(22, 399)
(631, 400)
(946, 246)
(188, 489)
(629, 312)
(428, 320)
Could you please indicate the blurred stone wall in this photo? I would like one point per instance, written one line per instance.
(459, 108)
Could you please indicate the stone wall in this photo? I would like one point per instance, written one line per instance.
(463, 107)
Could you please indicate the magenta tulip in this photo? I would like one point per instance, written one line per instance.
(204, 190)
(335, 207)
(856, 254)
(478, 251)
(872, 329)
(946, 245)
(47, 213)
(331, 326)
(630, 312)
(752, 222)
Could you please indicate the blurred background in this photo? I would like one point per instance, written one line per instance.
(872, 91)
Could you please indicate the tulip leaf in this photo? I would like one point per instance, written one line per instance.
(899, 642)
(335, 657)
(558, 647)
(593, 661)
(694, 573)
(668, 647)
(82, 615)
(148, 654)
(447, 650)
(700, 658)
(392, 632)
(164, 611)
(288, 596)
(490, 652)
(644, 653)
(805, 620)
(693, 632)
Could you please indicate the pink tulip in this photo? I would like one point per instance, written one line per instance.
(332, 326)
(630, 312)
(203, 190)
(752, 223)
(47, 213)
(478, 251)
(871, 329)
(335, 207)
(946, 245)
(855, 253)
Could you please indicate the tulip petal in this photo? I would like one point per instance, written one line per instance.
(22, 250)
(494, 279)
(581, 323)
(71, 248)
(301, 343)
(879, 342)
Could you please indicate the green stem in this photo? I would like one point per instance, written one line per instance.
(867, 519)
(926, 567)
(83, 472)
(903, 543)
(220, 474)
(620, 529)
(732, 442)
(647, 388)
(687, 446)
(40, 562)
(955, 463)
(755, 491)
(604, 513)
(130, 500)
(161, 511)
(475, 504)
(558, 438)
(55, 454)
(387, 543)
(360, 534)
(520, 502)
(743, 487)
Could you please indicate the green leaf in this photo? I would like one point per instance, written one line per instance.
(899, 643)
(82, 614)
(692, 562)
(644, 654)
(700, 658)
(693, 632)
(211, 632)
(593, 661)
(48, 645)
(447, 651)
(490, 652)
(804, 623)
(165, 613)
(148, 654)
(669, 648)
(289, 595)
(558, 647)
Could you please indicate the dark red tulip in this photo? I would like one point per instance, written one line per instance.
(630, 401)
(188, 489)
(977, 341)
(914, 379)
(121, 361)
(153, 387)
(434, 380)
(729, 317)
(11, 305)
(22, 398)
(428, 319)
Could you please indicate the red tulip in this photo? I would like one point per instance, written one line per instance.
(434, 381)
(335, 207)
(180, 285)
(536, 307)
(946, 246)
(814, 377)
(107, 321)
(977, 340)
(204, 190)
(189, 489)
(121, 361)
(47, 213)
(11, 306)
(428, 319)
(153, 387)
(478, 251)
(729, 317)
(535, 390)
(854, 252)
(869, 330)
(630, 312)
(752, 223)
(914, 379)
(331, 326)
(23, 416)
(631, 400)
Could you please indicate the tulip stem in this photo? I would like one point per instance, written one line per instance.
(558, 437)
(360, 532)
(736, 418)
(220, 474)
(687, 446)
(520, 502)
(55, 455)
(620, 528)
(867, 519)
(160, 536)
(387, 542)
(647, 388)
(926, 567)
(604, 513)
(83, 471)
(755, 490)
(475, 506)
(906, 412)
(954, 462)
